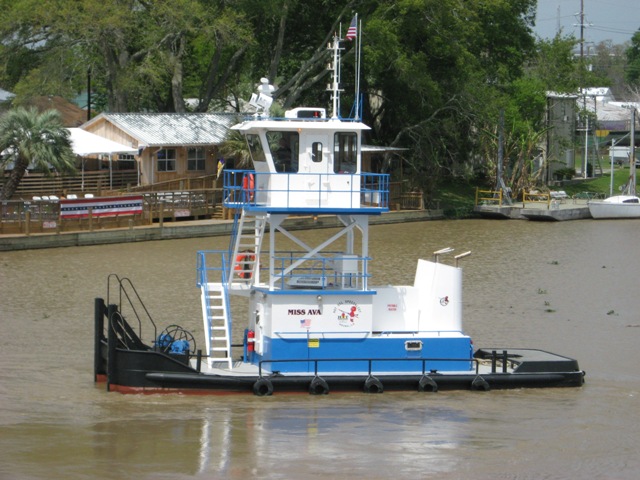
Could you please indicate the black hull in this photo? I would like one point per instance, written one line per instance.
(130, 366)
(154, 372)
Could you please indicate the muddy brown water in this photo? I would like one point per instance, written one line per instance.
(570, 288)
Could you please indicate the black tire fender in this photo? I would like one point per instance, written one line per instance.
(318, 386)
(373, 385)
(480, 384)
(427, 384)
(263, 387)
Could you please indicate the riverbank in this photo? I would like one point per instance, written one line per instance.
(186, 229)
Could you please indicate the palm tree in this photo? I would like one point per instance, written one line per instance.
(235, 146)
(29, 138)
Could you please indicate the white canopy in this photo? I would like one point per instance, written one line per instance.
(87, 143)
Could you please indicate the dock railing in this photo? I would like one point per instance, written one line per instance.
(536, 198)
(42, 214)
(489, 197)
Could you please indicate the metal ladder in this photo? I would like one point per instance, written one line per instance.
(245, 261)
(215, 309)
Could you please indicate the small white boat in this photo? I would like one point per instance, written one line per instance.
(626, 205)
(618, 206)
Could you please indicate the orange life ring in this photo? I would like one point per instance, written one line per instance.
(248, 185)
(243, 264)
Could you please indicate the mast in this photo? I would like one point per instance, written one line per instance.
(358, 53)
(632, 154)
(334, 87)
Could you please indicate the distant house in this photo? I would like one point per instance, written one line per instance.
(170, 145)
(72, 116)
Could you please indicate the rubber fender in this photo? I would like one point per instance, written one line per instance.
(427, 384)
(480, 383)
(318, 386)
(263, 387)
(373, 385)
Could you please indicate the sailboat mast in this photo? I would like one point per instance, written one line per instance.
(632, 154)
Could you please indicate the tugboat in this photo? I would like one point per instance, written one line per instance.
(315, 320)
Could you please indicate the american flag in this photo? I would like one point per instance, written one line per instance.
(306, 323)
(353, 29)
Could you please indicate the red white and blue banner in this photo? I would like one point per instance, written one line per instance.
(101, 207)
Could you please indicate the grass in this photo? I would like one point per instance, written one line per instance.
(600, 185)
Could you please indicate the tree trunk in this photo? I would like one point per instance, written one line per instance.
(275, 60)
(15, 177)
(176, 79)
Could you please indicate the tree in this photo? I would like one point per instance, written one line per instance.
(633, 60)
(31, 138)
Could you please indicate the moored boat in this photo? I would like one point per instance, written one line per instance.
(618, 206)
(314, 321)
(626, 205)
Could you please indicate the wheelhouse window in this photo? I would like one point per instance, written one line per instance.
(345, 152)
(255, 148)
(284, 148)
(316, 152)
(195, 158)
(166, 160)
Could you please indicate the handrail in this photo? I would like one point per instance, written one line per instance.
(370, 362)
(488, 197)
(535, 197)
(123, 284)
(203, 279)
(247, 188)
(324, 267)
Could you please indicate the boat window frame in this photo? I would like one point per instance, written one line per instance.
(345, 160)
(284, 147)
(256, 150)
(316, 152)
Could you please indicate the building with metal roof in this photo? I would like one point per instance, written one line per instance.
(170, 145)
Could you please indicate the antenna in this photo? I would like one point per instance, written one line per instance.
(334, 86)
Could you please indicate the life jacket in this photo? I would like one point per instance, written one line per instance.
(243, 265)
(248, 186)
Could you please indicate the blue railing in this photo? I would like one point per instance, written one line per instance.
(333, 269)
(311, 190)
(203, 271)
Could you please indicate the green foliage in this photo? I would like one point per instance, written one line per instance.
(633, 60)
(29, 138)
(436, 74)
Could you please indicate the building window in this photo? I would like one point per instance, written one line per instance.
(345, 152)
(126, 161)
(195, 158)
(166, 160)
